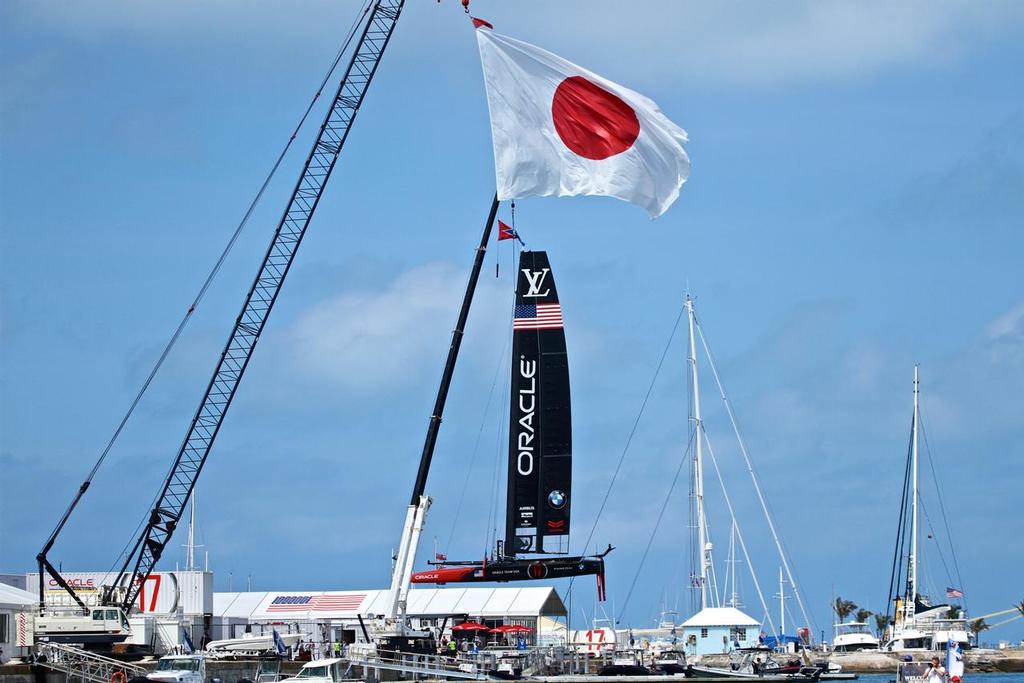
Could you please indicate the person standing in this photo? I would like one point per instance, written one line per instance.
(936, 673)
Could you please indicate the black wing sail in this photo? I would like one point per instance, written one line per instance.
(540, 428)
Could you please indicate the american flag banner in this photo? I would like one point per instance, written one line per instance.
(348, 602)
(537, 317)
(954, 593)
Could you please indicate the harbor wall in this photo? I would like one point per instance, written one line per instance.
(977, 660)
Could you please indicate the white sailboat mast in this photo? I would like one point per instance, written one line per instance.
(698, 470)
(912, 574)
(190, 549)
(782, 605)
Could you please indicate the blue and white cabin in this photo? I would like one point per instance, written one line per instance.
(719, 629)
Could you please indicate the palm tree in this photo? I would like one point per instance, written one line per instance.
(843, 608)
(977, 626)
(955, 611)
(881, 623)
(1020, 607)
(863, 614)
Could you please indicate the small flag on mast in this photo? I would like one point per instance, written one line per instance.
(279, 643)
(506, 231)
(954, 592)
(188, 647)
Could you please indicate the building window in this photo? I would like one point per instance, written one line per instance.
(738, 634)
(703, 633)
(4, 628)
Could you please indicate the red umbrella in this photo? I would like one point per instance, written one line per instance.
(470, 626)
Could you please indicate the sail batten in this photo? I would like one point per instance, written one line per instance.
(540, 422)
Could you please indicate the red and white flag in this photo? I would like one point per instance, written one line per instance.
(559, 129)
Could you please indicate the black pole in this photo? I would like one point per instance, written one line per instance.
(453, 355)
(41, 558)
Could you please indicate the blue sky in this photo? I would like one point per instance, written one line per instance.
(855, 207)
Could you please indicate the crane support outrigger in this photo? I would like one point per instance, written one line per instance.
(377, 30)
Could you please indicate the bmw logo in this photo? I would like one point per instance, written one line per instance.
(557, 499)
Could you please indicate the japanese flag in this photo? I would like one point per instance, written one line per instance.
(559, 129)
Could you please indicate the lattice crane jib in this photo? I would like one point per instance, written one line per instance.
(194, 450)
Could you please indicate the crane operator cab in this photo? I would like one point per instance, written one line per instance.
(102, 626)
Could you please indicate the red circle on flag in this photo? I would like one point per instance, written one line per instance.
(591, 121)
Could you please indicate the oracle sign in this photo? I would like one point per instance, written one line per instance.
(159, 593)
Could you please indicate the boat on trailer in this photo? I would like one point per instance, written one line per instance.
(251, 642)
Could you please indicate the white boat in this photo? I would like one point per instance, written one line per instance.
(251, 642)
(320, 671)
(853, 636)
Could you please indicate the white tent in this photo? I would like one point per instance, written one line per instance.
(12, 598)
(12, 601)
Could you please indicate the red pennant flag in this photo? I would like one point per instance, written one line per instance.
(477, 23)
(505, 231)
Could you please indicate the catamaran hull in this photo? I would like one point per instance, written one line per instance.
(517, 570)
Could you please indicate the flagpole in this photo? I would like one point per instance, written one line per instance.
(453, 354)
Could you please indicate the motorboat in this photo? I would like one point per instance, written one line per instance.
(853, 636)
(250, 642)
(757, 664)
(625, 663)
(670, 662)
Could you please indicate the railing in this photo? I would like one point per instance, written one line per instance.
(82, 666)
(465, 666)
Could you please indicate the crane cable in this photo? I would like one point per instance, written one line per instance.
(945, 517)
(769, 517)
(654, 531)
(223, 257)
(629, 441)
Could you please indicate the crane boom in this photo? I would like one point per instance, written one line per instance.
(220, 391)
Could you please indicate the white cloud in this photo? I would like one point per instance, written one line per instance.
(748, 42)
(1008, 327)
(379, 338)
(735, 41)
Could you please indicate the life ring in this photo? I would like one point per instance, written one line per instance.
(118, 677)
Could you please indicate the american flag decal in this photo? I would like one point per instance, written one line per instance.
(317, 603)
(537, 317)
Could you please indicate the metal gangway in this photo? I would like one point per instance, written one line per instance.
(82, 666)
(476, 668)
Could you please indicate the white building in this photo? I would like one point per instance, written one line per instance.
(719, 629)
(12, 601)
(333, 616)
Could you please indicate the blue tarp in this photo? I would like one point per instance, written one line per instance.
(775, 641)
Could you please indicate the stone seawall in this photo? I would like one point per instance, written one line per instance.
(978, 661)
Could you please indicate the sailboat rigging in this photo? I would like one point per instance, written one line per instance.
(917, 623)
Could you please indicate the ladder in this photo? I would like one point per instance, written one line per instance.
(82, 666)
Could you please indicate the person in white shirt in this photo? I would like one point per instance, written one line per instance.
(936, 673)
